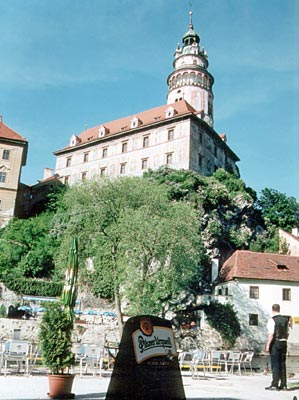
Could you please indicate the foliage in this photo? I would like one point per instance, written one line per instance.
(27, 248)
(55, 338)
(223, 318)
(143, 245)
(267, 241)
(34, 287)
(226, 213)
(278, 209)
(3, 312)
(182, 183)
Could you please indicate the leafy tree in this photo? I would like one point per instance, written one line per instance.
(144, 247)
(226, 213)
(27, 248)
(278, 209)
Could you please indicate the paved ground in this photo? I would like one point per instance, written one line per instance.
(226, 387)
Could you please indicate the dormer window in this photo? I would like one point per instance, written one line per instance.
(135, 122)
(74, 141)
(169, 112)
(103, 131)
(280, 267)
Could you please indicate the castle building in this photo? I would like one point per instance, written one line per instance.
(13, 155)
(179, 134)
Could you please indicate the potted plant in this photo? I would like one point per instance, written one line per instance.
(55, 338)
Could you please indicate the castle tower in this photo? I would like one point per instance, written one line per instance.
(190, 79)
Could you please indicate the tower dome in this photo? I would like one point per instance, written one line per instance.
(190, 79)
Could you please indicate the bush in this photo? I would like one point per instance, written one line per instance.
(33, 287)
(55, 337)
(223, 318)
(3, 313)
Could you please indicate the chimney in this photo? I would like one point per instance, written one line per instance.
(215, 269)
(48, 172)
(1, 118)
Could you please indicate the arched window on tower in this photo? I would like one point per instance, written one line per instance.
(192, 78)
(185, 79)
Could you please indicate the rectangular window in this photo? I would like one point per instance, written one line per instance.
(170, 134)
(68, 161)
(83, 176)
(85, 157)
(254, 292)
(226, 291)
(199, 160)
(124, 147)
(286, 294)
(2, 177)
(105, 152)
(144, 163)
(0, 204)
(169, 158)
(5, 154)
(145, 141)
(215, 150)
(253, 319)
(103, 171)
(200, 137)
(122, 168)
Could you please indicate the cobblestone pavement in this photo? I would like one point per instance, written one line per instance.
(215, 386)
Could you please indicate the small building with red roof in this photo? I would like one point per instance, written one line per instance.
(252, 282)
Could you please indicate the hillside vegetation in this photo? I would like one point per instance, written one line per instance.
(145, 243)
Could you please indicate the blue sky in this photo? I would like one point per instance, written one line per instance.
(70, 64)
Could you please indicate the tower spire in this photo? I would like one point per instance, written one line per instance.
(190, 79)
(190, 20)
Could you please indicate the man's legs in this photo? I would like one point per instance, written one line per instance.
(282, 363)
(275, 364)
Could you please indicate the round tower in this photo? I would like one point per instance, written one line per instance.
(190, 79)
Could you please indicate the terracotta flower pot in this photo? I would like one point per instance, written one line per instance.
(61, 386)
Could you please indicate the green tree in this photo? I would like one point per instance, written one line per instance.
(226, 213)
(27, 248)
(145, 248)
(278, 209)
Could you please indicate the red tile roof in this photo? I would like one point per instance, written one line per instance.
(9, 134)
(260, 266)
(145, 118)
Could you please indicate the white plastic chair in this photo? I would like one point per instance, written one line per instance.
(90, 356)
(16, 352)
(218, 359)
(246, 360)
(234, 360)
(200, 361)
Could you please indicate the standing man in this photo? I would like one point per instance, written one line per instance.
(278, 328)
